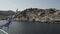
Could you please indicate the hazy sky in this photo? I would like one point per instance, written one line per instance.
(23, 4)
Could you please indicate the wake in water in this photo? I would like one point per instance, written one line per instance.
(8, 23)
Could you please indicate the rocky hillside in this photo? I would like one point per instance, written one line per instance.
(6, 14)
(35, 14)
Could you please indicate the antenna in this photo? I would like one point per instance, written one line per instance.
(16, 10)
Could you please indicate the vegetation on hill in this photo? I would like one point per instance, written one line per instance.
(33, 14)
(36, 14)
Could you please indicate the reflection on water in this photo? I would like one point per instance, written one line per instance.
(32, 28)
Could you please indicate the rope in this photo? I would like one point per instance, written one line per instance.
(3, 31)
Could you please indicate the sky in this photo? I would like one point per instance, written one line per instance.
(23, 4)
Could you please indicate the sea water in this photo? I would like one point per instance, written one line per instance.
(31, 28)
